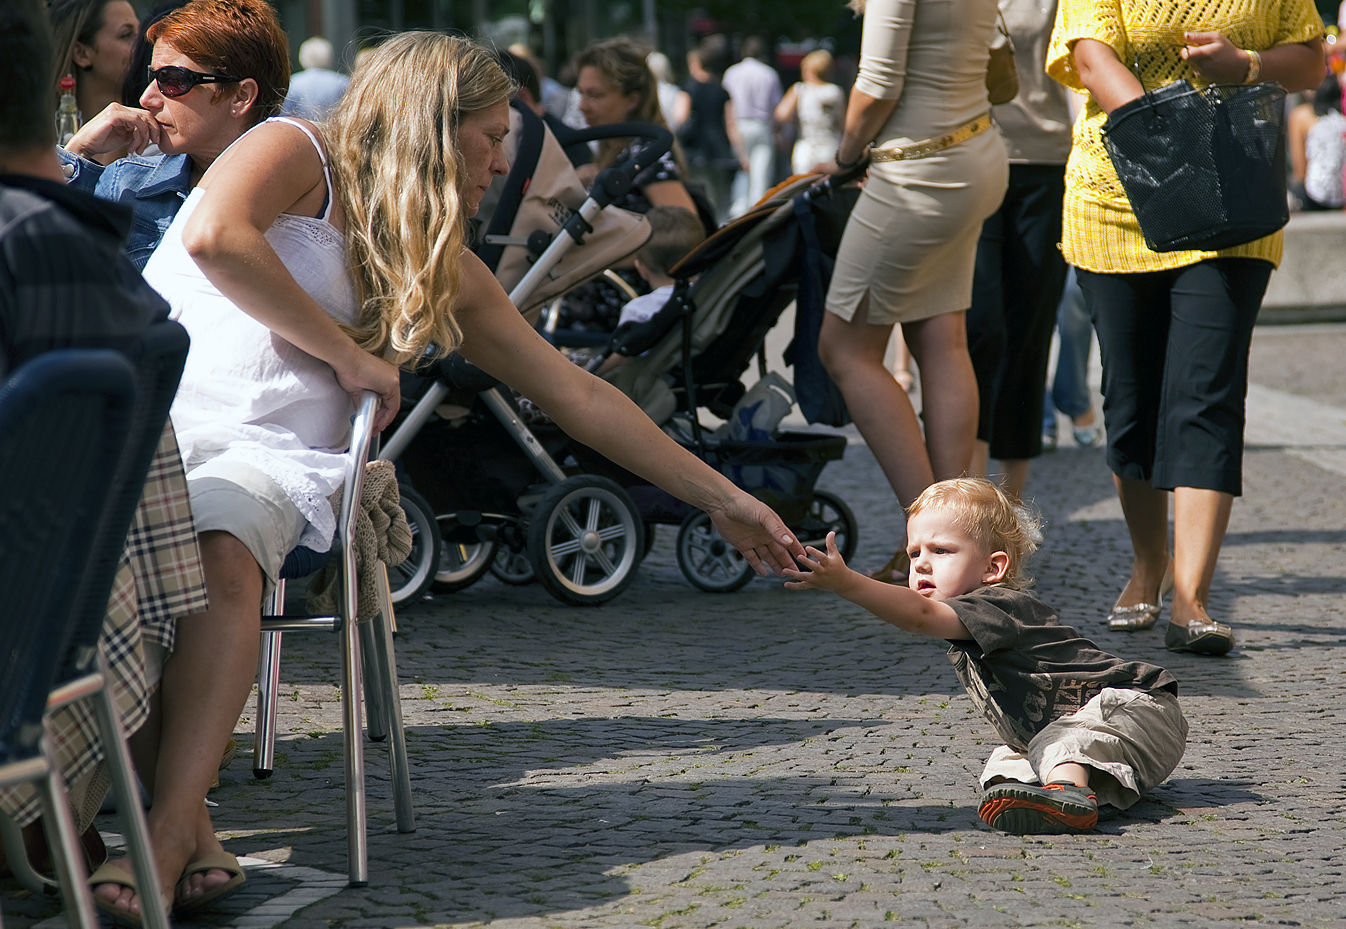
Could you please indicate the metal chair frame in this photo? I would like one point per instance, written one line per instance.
(366, 652)
(74, 556)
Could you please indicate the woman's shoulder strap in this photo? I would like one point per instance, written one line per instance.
(327, 199)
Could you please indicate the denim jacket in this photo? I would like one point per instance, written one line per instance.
(154, 187)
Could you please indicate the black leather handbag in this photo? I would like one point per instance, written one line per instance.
(1203, 169)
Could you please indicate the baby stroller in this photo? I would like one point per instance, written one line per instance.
(582, 529)
(692, 355)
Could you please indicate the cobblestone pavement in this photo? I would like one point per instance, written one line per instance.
(770, 758)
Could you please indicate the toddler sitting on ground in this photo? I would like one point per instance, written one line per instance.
(1082, 726)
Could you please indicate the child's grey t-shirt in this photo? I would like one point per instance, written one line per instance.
(1024, 668)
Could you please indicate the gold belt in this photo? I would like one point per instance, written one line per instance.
(931, 146)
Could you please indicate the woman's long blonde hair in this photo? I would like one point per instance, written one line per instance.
(392, 143)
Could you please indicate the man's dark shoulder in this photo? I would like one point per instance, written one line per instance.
(64, 281)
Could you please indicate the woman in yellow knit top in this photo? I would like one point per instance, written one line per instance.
(1174, 327)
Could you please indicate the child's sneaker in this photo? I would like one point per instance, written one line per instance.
(1027, 809)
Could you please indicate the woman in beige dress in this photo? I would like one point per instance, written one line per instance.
(908, 252)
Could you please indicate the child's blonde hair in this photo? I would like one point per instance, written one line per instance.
(991, 517)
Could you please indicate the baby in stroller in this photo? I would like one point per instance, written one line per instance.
(674, 232)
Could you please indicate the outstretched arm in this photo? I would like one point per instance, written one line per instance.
(901, 606)
(498, 340)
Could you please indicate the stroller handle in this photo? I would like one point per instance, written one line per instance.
(612, 182)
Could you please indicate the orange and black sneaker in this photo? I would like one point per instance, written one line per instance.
(1027, 809)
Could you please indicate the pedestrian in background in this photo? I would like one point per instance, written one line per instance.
(93, 42)
(938, 170)
(754, 86)
(819, 106)
(1069, 392)
(1020, 271)
(669, 92)
(314, 91)
(1174, 328)
(708, 130)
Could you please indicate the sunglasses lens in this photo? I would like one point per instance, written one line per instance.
(173, 82)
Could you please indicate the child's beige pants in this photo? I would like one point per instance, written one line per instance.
(1131, 741)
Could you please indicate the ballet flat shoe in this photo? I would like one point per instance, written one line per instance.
(1141, 615)
(1202, 638)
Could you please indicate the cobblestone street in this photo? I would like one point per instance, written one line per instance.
(769, 758)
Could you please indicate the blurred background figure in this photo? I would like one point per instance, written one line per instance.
(754, 87)
(315, 90)
(137, 73)
(552, 94)
(1317, 140)
(670, 94)
(707, 127)
(1068, 391)
(616, 86)
(524, 73)
(93, 41)
(819, 106)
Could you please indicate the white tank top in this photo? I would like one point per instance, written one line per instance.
(246, 394)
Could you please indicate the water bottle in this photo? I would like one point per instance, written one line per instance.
(67, 113)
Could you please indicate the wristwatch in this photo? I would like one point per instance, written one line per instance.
(1254, 66)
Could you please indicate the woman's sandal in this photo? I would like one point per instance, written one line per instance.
(108, 873)
(896, 570)
(218, 861)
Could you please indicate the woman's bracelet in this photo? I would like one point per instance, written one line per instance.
(847, 165)
(1254, 66)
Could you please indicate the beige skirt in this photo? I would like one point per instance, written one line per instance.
(911, 241)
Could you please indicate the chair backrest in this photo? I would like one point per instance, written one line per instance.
(158, 360)
(64, 421)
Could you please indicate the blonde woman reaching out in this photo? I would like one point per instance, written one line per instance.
(306, 256)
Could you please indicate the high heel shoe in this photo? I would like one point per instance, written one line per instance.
(1142, 615)
(896, 570)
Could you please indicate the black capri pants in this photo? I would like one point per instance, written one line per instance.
(1015, 291)
(1174, 347)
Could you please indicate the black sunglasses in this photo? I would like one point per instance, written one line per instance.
(174, 81)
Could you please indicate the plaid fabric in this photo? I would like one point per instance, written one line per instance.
(160, 579)
(163, 550)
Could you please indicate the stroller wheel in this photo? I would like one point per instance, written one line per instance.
(512, 567)
(584, 540)
(413, 577)
(829, 513)
(707, 560)
(461, 564)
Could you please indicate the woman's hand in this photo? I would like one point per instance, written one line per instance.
(758, 533)
(369, 372)
(820, 570)
(117, 127)
(1215, 58)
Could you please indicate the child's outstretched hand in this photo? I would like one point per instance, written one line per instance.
(820, 570)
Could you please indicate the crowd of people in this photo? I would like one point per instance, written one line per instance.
(311, 233)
